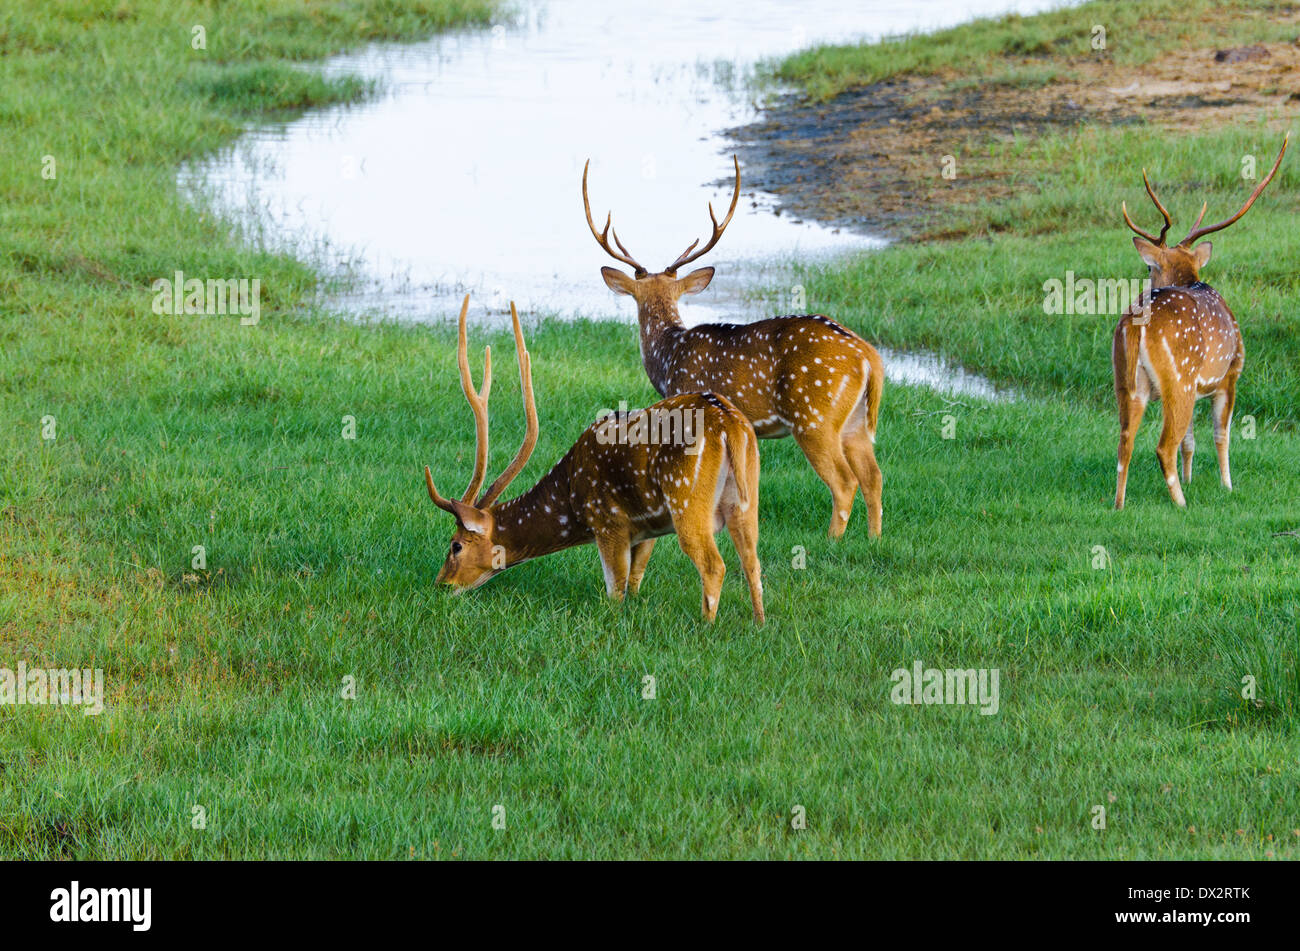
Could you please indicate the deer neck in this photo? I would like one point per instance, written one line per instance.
(661, 323)
(540, 521)
(1176, 273)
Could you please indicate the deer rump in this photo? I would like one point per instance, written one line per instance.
(1137, 374)
(685, 481)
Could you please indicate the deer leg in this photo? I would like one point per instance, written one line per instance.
(1132, 406)
(1189, 447)
(615, 556)
(700, 548)
(1223, 404)
(862, 459)
(1178, 404)
(743, 527)
(640, 558)
(824, 452)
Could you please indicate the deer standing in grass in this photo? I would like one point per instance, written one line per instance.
(694, 472)
(801, 376)
(1182, 343)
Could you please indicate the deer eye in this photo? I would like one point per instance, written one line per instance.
(455, 548)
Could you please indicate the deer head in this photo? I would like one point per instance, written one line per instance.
(664, 287)
(1181, 264)
(475, 556)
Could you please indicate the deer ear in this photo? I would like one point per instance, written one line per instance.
(469, 518)
(696, 281)
(1150, 253)
(1202, 253)
(617, 281)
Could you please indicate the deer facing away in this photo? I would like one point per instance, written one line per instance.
(1183, 344)
(801, 376)
(618, 492)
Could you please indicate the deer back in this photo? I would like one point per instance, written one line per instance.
(784, 373)
(1187, 337)
(641, 471)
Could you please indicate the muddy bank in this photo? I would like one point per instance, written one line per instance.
(872, 159)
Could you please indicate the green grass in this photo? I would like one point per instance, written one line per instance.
(980, 301)
(1134, 33)
(224, 688)
(1120, 685)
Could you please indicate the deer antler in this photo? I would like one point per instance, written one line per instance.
(530, 414)
(602, 237)
(687, 257)
(438, 500)
(477, 402)
(1198, 232)
(1164, 214)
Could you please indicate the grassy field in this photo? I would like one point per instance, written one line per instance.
(1066, 218)
(1121, 669)
(1020, 49)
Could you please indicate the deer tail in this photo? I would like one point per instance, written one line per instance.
(1128, 341)
(875, 388)
(738, 443)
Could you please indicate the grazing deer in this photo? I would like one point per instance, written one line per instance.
(801, 376)
(1182, 343)
(620, 491)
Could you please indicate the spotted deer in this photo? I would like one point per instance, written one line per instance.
(801, 376)
(689, 467)
(1180, 343)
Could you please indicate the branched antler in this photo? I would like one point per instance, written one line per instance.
(1197, 232)
(686, 256)
(602, 237)
(478, 402)
(1164, 214)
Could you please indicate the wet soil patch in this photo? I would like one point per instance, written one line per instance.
(873, 159)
